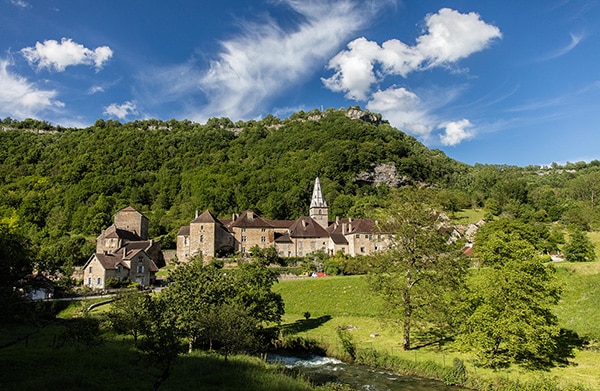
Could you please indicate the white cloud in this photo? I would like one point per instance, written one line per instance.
(403, 109)
(450, 37)
(575, 40)
(456, 132)
(121, 111)
(94, 89)
(265, 59)
(20, 3)
(20, 98)
(59, 55)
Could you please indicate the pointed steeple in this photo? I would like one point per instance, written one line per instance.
(317, 197)
(318, 206)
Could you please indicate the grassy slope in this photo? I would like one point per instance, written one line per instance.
(343, 301)
(41, 364)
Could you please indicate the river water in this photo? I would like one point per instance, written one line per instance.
(325, 369)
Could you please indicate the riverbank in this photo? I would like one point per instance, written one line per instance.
(344, 303)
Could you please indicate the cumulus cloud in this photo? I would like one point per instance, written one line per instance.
(404, 109)
(58, 55)
(456, 132)
(121, 111)
(448, 37)
(20, 98)
(265, 60)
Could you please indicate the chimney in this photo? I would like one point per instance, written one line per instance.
(250, 215)
(196, 214)
(344, 228)
(234, 217)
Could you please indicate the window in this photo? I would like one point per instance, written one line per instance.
(362, 249)
(99, 281)
(263, 229)
(371, 237)
(201, 228)
(119, 269)
(299, 244)
(90, 270)
(201, 238)
(140, 268)
(243, 229)
(90, 282)
(243, 238)
(243, 249)
(263, 239)
(187, 240)
(357, 236)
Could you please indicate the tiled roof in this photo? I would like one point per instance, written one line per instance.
(249, 219)
(118, 233)
(283, 224)
(184, 231)
(283, 238)
(338, 239)
(206, 217)
(110, 261)
(306, 227)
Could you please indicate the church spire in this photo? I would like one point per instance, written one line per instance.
(317, 197)
(318, 206)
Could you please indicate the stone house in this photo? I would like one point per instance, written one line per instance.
(208, 236)
(133, 264)
(123, 251)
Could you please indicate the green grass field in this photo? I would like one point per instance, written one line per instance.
(346, 302)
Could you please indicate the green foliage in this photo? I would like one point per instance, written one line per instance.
(509, 316)
(347, 343)
(129, 314)
(579, 248)
(420, 277)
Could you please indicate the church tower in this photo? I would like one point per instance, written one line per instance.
(318, 206)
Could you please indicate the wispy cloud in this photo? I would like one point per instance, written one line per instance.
(449, 37)
(56, 55)
(20, 3)
(21, 98)
(265, 59)
(575, 40)
(121, 111)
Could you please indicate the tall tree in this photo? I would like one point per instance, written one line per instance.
(509, 316)
(579, 248)
(420, 275)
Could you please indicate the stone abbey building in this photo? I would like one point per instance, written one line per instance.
(208, 236)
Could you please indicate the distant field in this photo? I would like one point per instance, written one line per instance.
(468, 216)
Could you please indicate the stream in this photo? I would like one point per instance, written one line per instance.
(325, 369)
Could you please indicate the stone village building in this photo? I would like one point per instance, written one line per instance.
(123, 251)
(208, 236)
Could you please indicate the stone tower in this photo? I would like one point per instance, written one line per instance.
(318, 206)
(131, 220)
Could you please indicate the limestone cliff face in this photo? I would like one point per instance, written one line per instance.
(365, 116)
(382, 173)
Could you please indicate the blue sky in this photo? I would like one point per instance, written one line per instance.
(498, 82)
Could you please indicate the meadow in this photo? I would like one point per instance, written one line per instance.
(345, 302)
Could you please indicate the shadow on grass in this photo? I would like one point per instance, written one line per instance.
(305, 325)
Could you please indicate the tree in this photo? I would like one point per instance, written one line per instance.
(129, 314)
(420, 275)
(508, 315)
(16, 264)
(195, 292)
(579, 248)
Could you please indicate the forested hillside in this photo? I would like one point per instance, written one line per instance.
(73, 180)
(61, 185)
